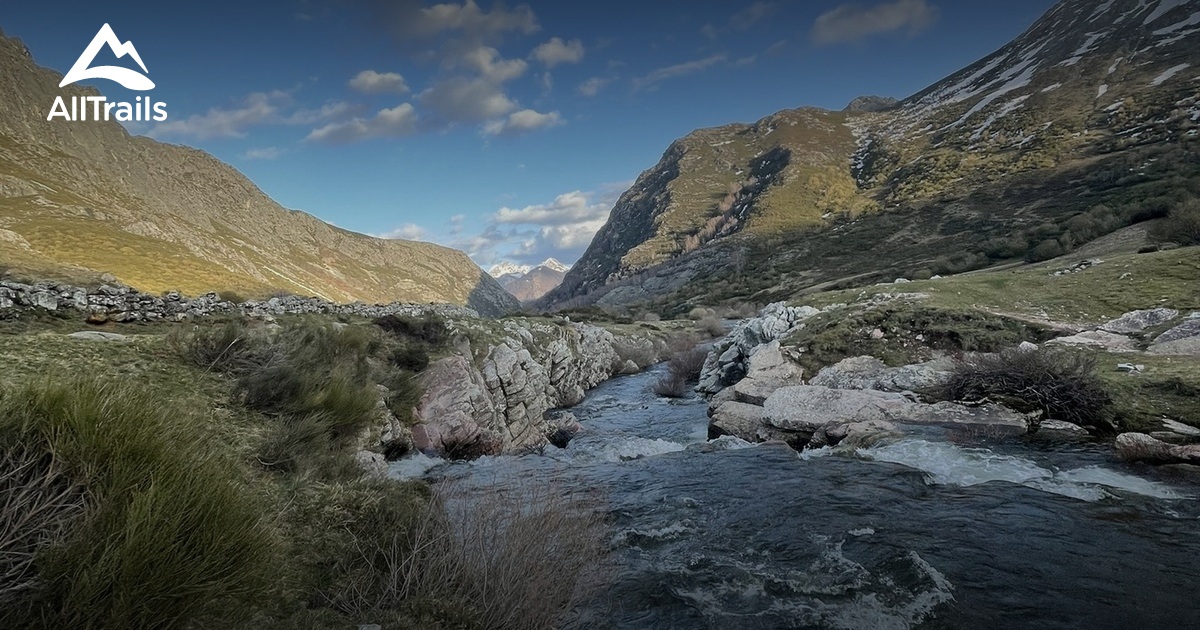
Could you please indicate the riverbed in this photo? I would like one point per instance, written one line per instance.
(938, 529)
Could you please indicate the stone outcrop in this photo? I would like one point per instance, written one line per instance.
(867, 372)
(123, 304)
(1137, 321)
(728, 361)
(767, 370)
(1183, 339)
(1144, 448)
(501, 391)
(1111, 342)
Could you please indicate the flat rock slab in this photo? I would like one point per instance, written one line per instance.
(744, 421)
(1111, 342)
(1189, 346)
(953, 415)
(1137, 321)
(1189, 328)
(807, 408)
(96, 335)
(867, 372)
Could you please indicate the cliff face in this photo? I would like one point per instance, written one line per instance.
(86, 197)
(1094, 105)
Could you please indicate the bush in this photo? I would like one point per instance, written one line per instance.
(232, 296)
(413, 358)
(1045, 250)
(684, 368)
(171, 538)
(226, 348)
(642, 354)
(429, 329)
(712, 326)
(1060, 384)
(1182, 225)
(494, 557)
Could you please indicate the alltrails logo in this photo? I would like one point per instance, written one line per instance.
(143, 109)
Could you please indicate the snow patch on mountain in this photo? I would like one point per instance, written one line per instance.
(508, 269)
(1168, 73)
(1163, 7)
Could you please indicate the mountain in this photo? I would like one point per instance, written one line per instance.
(84, 198)
(529, 283)
(1083, 124)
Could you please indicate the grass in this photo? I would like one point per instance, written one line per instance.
(174, 536)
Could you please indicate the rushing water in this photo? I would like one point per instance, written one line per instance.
(935, 530)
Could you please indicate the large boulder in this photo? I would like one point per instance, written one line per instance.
(1101, 339)
(728, 360)
(1137, 321)
(867, 372)
(767, 370)
(1189, 328)
(1189, 346)
(1144, 448)
(807, 408)
(990, 416)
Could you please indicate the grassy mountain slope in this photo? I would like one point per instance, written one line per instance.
(80, 197)
(1085, 123)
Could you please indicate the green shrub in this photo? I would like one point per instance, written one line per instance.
(1059, 384)
(1045, 250)
(228, 347)
(413, 358)
(1182, 225)
(173, 536)
(429, 329)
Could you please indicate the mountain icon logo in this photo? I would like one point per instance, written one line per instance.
(131, 79)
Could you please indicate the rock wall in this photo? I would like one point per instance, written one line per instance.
(123, 304)
(498, 393)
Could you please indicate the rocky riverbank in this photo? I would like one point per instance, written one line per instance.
(505, 386)
(759, 390)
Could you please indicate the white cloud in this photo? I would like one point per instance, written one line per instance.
(593, 86)
(753, 14)
(265, 153)
(489, 64)
(852, 22)
(557, 51)
(256, 109)
(396, 122)
(677, 70)
(406, 232)
(372, 82)
(522, 122)
(566, 208)
(459, 99)
(561, 229)
(470, 19)
(709, 31)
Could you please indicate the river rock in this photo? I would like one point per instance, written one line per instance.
(853, 434)
(744, 421)
(989, 416)
(728, 360)
(1111, 342)
(373, 465)
(807, 408)
(767, 370)
(1137, 321)
(1061, 426)
(1144, 448)
(866, 372)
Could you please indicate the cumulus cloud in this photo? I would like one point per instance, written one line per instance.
(459, 99)
(276, 107)
(677, 70)
(522, 122)
(746, 18)
(396, 122)
(265, 153)
(557, 51)
(561, 229)
(593, 86)
(487, 61)
(854, 22)
(406, 232)
(372, 82)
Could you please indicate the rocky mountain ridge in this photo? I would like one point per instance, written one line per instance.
(84, 198)
(1094, 107)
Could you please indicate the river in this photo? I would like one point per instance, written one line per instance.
(935, 530)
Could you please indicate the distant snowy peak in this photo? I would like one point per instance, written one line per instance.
(553, 264)
(507, 268)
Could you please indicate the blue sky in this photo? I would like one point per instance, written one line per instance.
(505, 130)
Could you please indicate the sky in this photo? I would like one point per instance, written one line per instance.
(504, 130)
